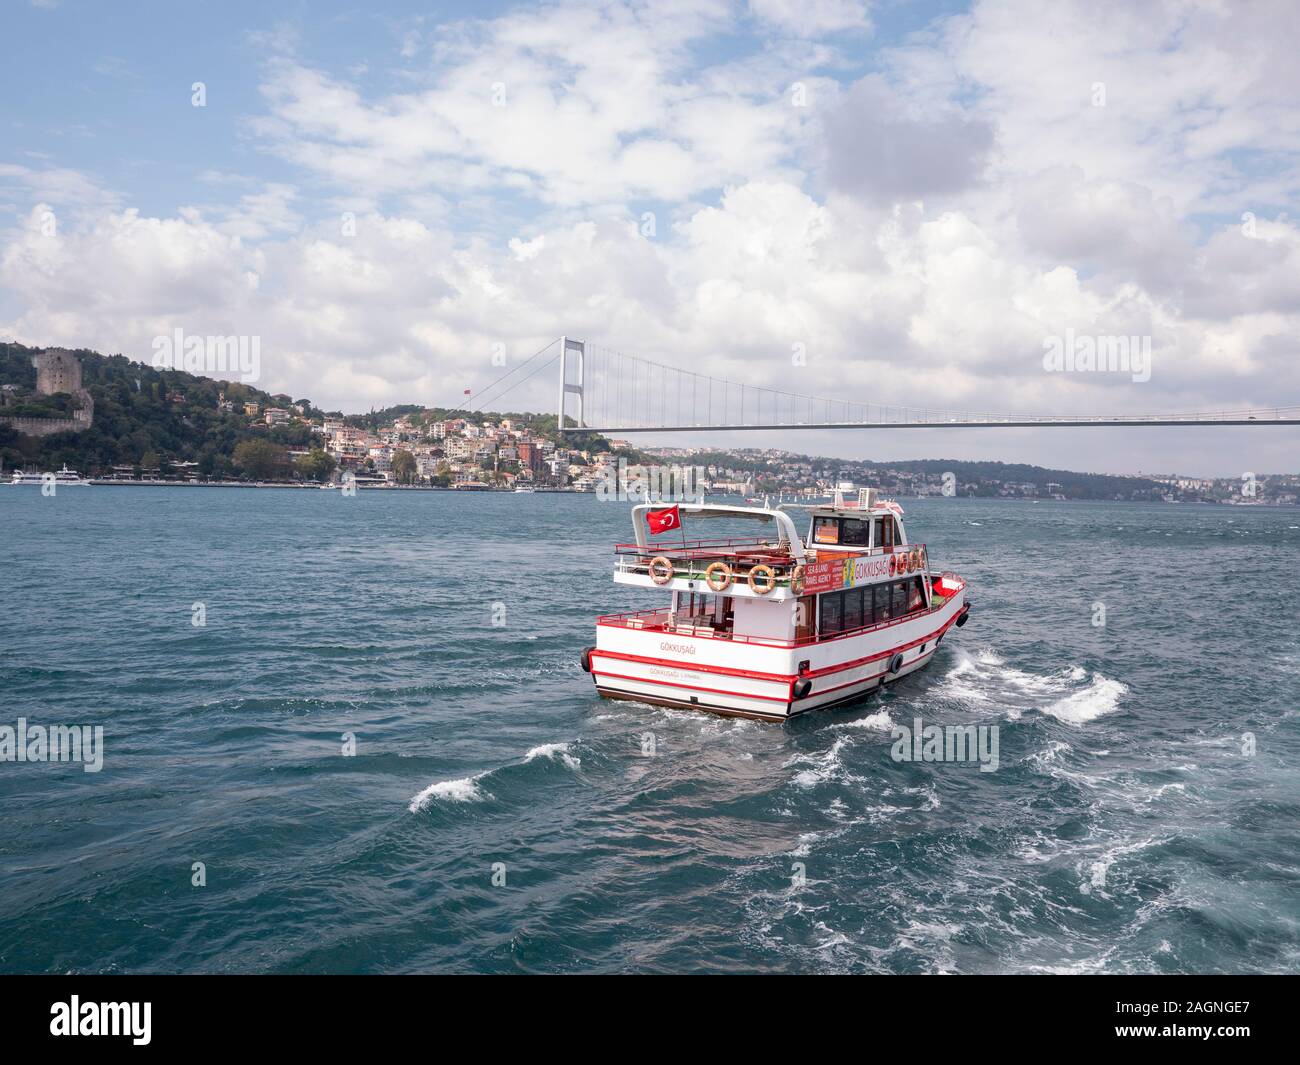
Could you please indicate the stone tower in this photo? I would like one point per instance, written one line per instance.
(57, 370)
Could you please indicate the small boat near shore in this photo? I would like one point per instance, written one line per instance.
(63, 477)
(774, 625)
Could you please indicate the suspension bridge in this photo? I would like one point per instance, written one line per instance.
(606, 391)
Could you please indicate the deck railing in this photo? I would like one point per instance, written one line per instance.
(713, 549)
(689, 548)
(658, 620)
(691, 559)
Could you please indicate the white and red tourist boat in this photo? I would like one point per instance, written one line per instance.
(773, 625)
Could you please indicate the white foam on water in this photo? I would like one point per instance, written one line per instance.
(1095, 872)
(959, 683)
(466, 789)
(835, 939)
(1098, 699)
(879, 722)
(986, 682)
(1046, 759)
(554, 751)
(930, 939)
(804, 847)
(822, 768)
(928, 793)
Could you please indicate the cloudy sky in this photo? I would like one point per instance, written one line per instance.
(919, 195)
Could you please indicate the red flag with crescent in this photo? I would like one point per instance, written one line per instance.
(661, 521)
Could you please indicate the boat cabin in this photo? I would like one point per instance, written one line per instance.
(851, 569)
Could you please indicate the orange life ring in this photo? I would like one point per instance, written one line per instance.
(767, 573)
(893, 565)
(796, 579)
(722, 583)
(660, 570)
(922, 561)
(914, 560)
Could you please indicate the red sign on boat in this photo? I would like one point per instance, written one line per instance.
(827, 576)
(847, 571)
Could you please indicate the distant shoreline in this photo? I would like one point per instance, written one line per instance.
(572, 492)
(319, 487)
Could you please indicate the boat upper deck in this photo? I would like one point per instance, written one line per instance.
(775, 564)
(701, 620)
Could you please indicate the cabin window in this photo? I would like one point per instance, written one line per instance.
(853, 609)
(887, 532)
(880, 602)
(854, 532)
(832, 613)
(899, 605)
(870, 605)
(826, 530)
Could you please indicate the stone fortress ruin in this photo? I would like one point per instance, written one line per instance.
(57, 370)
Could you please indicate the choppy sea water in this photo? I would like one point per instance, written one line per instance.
(1124, 831)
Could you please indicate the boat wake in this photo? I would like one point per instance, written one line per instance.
(470, 789)
(821, 768)
(1101, 697)
(985, 682)
(880, 721)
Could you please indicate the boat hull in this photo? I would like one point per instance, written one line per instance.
(765, 681)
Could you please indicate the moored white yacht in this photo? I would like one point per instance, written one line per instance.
(61, 477)
(774, 625)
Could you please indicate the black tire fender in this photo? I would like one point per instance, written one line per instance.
(961, 618)
(586, 659)
(896, 663)
(802, 687)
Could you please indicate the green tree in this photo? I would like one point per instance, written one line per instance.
(404, 466)
(259, 459)
(316, 465)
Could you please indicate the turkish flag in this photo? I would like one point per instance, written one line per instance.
(663, 520)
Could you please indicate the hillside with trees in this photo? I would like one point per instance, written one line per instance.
(148, 418)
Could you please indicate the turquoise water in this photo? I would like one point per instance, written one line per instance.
(1125, 830)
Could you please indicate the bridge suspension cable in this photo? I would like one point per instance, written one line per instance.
(618, 393)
